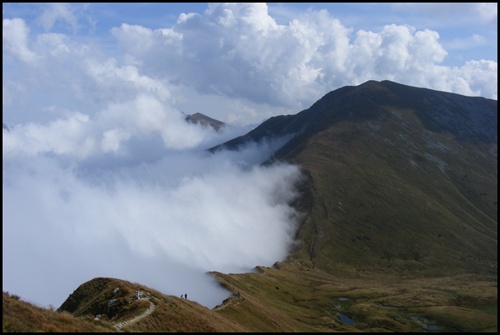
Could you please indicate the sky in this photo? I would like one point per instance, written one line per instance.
(102, 176)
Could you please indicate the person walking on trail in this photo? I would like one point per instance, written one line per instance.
(185, 296)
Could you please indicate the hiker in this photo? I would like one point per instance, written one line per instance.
(186, 296)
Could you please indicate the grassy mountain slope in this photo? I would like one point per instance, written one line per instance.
(393, 195)
(398, 229)
(21, 316)
(292, 296)
(401, 179)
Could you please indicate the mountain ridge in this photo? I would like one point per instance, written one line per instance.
(344, 97)
(383, 138)
(398, 228)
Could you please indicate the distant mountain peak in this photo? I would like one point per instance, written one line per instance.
(202, 119)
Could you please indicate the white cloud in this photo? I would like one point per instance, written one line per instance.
(239, 51)
(255, 16)
(120, 82)
(112, 138)
(481, 77)
(53, 45)
(182, 214)
(62, 136)
(81, 136)
(15, 39)
(57, 12)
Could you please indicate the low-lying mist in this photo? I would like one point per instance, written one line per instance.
(148, 213)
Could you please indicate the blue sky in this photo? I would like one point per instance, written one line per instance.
(102, 176)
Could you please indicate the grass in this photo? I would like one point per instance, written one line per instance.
(381, 212)
(22, 316)
(312, 300)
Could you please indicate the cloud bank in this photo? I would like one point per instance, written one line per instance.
(79, 205)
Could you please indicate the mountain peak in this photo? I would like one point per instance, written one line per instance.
(382, 156)
(474, 118)
(204, 120)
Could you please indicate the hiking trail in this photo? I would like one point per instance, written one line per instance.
(151, 309)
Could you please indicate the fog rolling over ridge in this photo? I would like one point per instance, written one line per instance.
(161, 146)
(122, 197)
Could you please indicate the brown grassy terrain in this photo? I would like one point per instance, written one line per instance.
(292, 296)
(21, 316)
(296, 297)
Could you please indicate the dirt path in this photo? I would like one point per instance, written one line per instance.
(120, 325)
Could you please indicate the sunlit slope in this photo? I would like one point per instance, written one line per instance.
(117, 303)
(291, 296)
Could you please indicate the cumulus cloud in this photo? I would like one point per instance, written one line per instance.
(235, 56)
(287, 64)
